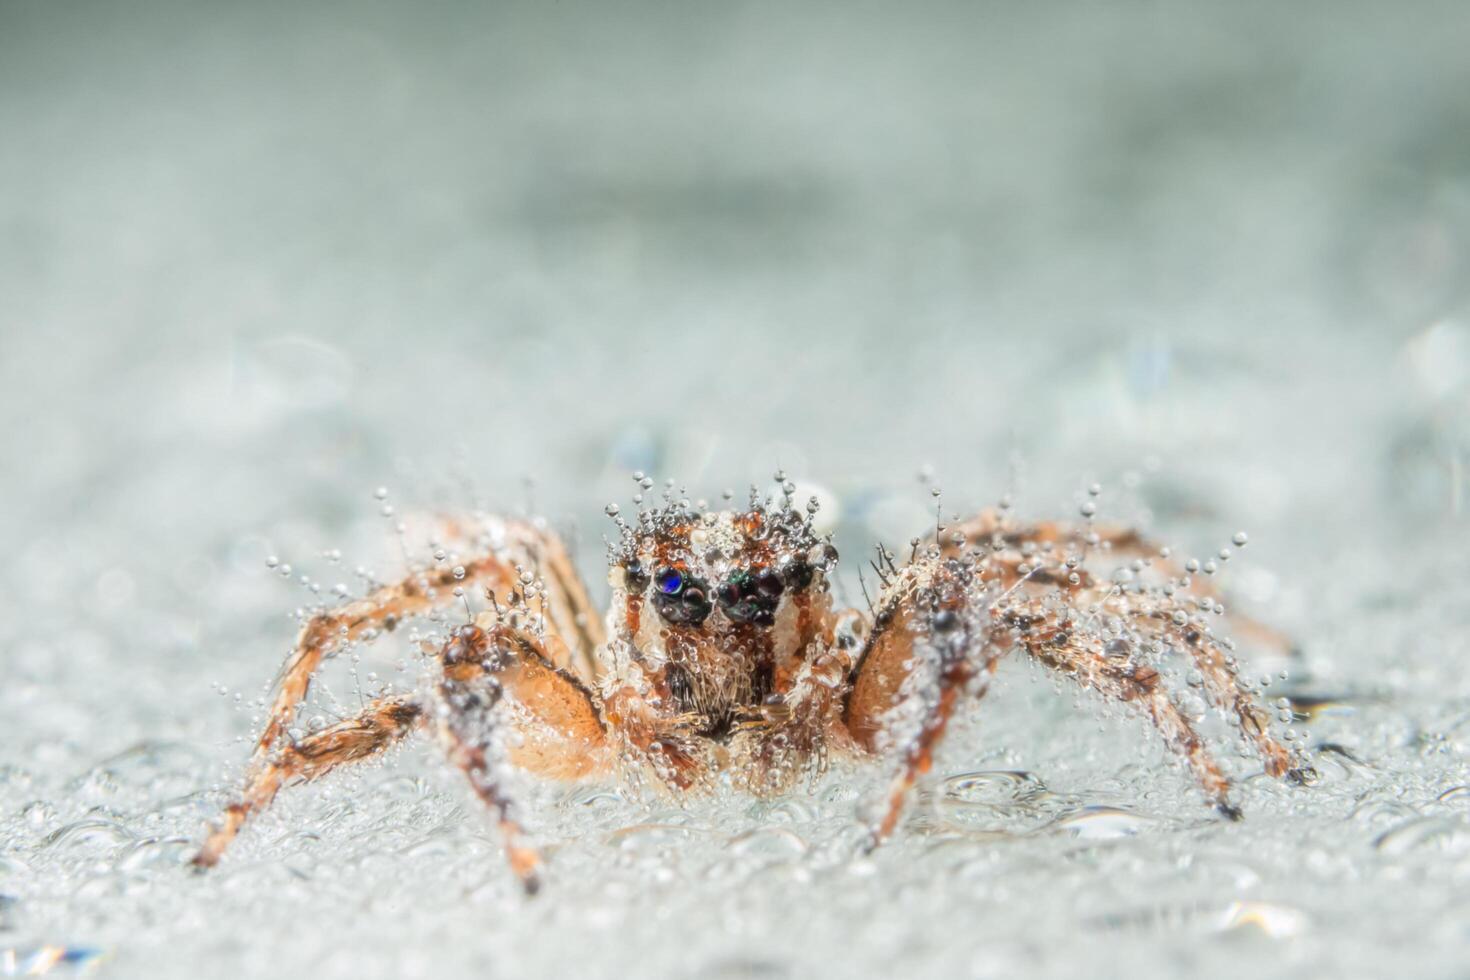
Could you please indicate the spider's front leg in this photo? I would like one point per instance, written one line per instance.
(927, 648)
(503, 701)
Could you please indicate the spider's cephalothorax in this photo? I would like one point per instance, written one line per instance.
(722, 655)
(718, 610)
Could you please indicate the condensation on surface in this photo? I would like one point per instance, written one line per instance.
(254, 266)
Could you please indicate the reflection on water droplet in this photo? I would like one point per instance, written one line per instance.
(35, 961)
(992, 787)
(1102, 823)
(90, 833)
(769, 842)
(1458, 796)
(1445, 833)
(1275, 921)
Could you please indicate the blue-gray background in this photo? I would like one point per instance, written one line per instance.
(256, 260)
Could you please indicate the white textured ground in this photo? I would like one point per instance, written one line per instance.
(256, 262)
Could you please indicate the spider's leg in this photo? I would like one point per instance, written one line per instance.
(1172, 614)
(1013, 546)
(1072, 650)
(927, 648)
(383, 723)
(506, 544)
(1157, 616)
(562, 598)
(499, 681)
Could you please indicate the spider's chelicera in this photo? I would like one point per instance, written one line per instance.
(723, 656)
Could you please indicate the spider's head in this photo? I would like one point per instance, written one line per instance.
(717, 571)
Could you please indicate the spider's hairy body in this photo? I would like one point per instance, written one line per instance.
(723, 657)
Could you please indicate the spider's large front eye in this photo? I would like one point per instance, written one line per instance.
(680, 598)
(752, 597)
(670, 581)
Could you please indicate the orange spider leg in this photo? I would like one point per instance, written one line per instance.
(1060, 647)
(925, 649)
(1007, 543)
(382, 724)
(569, 611)
(559, 731)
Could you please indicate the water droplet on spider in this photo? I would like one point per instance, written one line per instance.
(1210, 567)
(1225, 554)
(272, 561)
(440, 554)
(341, 589)
(387, 510)
(611, 510)
(459, 571)
(381, 493)
(1095, 489)
(1088, 508)
(1191, 566)
(285, 571)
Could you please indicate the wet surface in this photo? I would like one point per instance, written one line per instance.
(255, 265)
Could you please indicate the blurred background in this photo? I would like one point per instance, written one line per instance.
(257, 260)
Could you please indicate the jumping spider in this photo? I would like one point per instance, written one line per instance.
(723, 656)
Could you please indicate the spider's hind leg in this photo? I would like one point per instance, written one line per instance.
(504, 550)
(1070, 649)
(1161, 603)
(382, 724)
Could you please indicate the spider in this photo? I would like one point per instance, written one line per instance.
(724, 658)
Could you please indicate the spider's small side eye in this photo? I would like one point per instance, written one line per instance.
(797, 572)
(670, 581)
(635, 577)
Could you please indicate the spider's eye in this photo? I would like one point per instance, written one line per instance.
(797, 572)
(768, 583)
(635, 578)
(679, 598)
(670, 581)
(751, 597)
